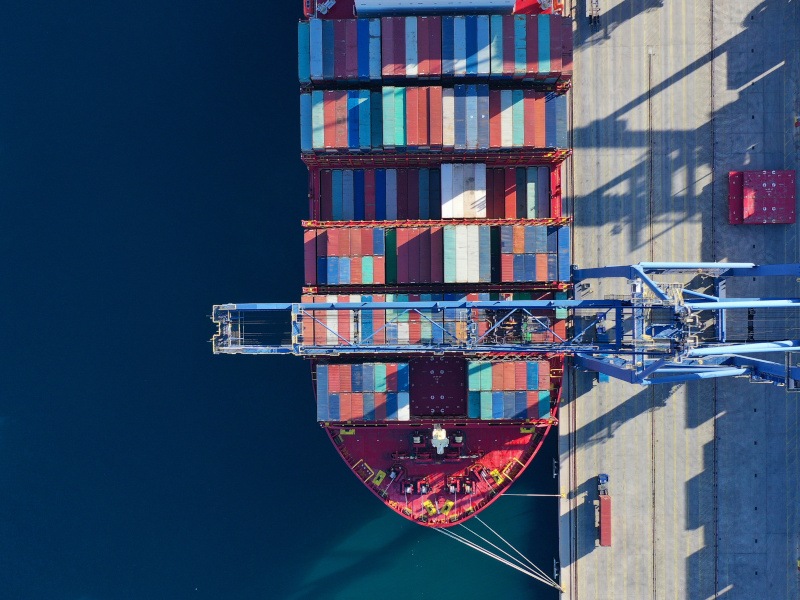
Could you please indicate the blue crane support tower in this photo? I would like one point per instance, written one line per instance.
(652, 335)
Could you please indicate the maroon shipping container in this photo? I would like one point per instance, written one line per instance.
(399, 46)
(402, 254)
(495, 129)
(369, 194)
(423, 60)
(351, 59)
(736, 197)
(425, 256)
(413, 254)
(340, 41)
(387, 46)
(490, 194)
(313, 193)
(435, 45)
(413, 194)
(437, 255)
(532, 47)
(412, 114)
(402, 194)
(566, 45)
(508, 45)
(605, 520)
(555, 45)
(310, 256)
(325, 198)
(435, 116)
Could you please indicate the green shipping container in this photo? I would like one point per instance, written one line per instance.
(474, 405)
(380, 377)
(391, 256)
(486, 405)
(388, 104)
(486, 376)
(517, 119)
(474, 376)
(367, 270)
(561, 313)
(399, 116)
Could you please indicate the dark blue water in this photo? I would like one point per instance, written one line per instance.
(149, 168)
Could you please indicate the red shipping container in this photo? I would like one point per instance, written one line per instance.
(356, 275)
(355, 242)
(490, 194)
(424, 238)
(310, 256)
(412, 194)
(341, 118)
(399, 46)
(414, 328)
(380, 406)
(346, 378)
(528, 109)
(437, 255)
(507, 267)
(413, 255)
(345, 403)
(508, 376)
(351, 60)
(541, 267)
(391, 377)
(379, 270)
(412, 125)
(498, 382)
(333, 379)
(769, 197)
(518, 241)
(402, 194)
(735, 197)
(555, 192)
(508, 45)
(357, 405)
(378, 322)
(340, 41)
(369, 195)
(387, 46)
(510, 200)
(343, 325)
(555, 45)
(423, 62)
(495, 129)
(544, 374)
(435, 116)
(329, 117)
(325, 195)
(423, 126)
(435, 45)
(332, 245)
(532, 46)
(344, 242)
(308, 330)
(538, 117)
(520, 375)
(367, 241)
(532, 408)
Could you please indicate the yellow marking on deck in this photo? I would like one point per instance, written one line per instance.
(379, 477)
(347, 432)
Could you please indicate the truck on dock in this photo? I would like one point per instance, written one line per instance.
(602, 512)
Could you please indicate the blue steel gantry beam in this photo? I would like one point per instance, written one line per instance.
(623, 340)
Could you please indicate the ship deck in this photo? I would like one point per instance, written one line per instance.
(705, 478)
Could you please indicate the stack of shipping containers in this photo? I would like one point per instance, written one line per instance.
(434, 146)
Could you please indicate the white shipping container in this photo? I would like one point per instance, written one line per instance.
(448, 118)
(332, 321)
(402, 333)
(472, 118)
(353, 318)
(447, 191)
(473, 254)
(458, 191)
(461, 254)
(403, 406)
(469, 191)
(532, 176)
(411, 47)
(391, 195)
(506, 119)
(480, 191)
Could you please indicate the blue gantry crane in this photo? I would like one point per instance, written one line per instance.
(660, 332)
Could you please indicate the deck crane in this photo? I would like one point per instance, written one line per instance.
(662, 331)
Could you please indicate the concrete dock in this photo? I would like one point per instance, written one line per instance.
(705, 478)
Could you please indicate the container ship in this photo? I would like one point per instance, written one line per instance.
(434, 135)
